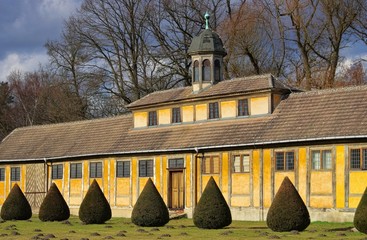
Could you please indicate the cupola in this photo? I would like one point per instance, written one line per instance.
(207, 52)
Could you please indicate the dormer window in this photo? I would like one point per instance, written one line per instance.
(152, 121)
(206, 70)
(242, 109)
(196, 71)
(176, 115)
(213, 110)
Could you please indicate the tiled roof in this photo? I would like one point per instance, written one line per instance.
(317, 115)
(227, 87)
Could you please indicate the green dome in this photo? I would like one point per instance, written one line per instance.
(207, 42)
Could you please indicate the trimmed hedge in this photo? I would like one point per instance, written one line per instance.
(360, 216)
(16, 206)
(150, 209)
(212, 210)
(287, 211)
(95, 208)
(54, 207)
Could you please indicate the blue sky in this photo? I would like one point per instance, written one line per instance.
(25, 26)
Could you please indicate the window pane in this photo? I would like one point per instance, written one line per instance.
(243, 107)
(176, 163)
(355, 159)
(364, 158)
(326, 159)
(15, 174)
(290, 160)
(2, 174)
(279, 161)
(196, 71)
(206, 70)
(213, 110)
(149, 168)
(216, 71)
(215, 164)
(119, 169)
(142, 168)
(76, 170)
(246, 163)
(126, 171)
(237, 164)
(152, 118)
(316, 161)
(176, 115)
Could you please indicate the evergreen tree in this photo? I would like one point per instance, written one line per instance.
(150, 209)
(54, 207)
(16, 206)
(360, 216)
(95, 208)
(212, 210)
(287, 211)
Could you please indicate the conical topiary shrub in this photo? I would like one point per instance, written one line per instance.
(360, 219)
(287, 211)
(16, 206)
(54, 207)
(212, 210)
(150, 209)
(95, 207)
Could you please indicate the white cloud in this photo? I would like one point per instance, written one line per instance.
(21, 62)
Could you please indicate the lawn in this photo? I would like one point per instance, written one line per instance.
(122, 228)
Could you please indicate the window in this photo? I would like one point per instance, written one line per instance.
(123, 169)
(176, 115)
(284, 161)
(76, 170)
(358, 158)
(216, 71)
(152, 118)
(321, 159)
(2, 174)
(57, 171)
(95, 170)
(213, 110)
(206, 70)
(210, 165)
(241, 163)
(242, 107)
(15, 174)
(146, 168)
(176, 163)
(196, 71)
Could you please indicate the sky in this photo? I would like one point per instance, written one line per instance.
(25, 27)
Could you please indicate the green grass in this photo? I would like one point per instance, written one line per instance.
(175, 229)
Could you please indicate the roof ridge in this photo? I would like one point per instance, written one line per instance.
(124, 115)
(252, 77)
(329, 90)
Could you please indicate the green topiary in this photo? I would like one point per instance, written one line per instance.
(54, 207)
(360, 219)
(95, 207)
(212, 210)
(287, 211)
(150, 209)
(16, 206)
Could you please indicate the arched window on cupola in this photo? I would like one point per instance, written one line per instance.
(206, 70)
(216, 71)
(196, 71)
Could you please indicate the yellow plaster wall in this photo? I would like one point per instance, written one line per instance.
(228, 109)
(187, 113)
(321, 182)
(321, 201)
(165, 179)
(279, 177)
(134, 179)
(66, 179)
(267, 177)
(188, 181)
(240, 183)
(75, 191)
(111, 181)
(357, 185)
(164, 116)
(140, 119)
(225, 176)
(157, 176)
(340, 177)
(302, 173)
(256, 177)
(201, 112)
(259, 105)
(85, 177)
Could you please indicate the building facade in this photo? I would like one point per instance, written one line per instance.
(248, 133)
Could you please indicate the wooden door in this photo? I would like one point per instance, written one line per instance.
(177, 190)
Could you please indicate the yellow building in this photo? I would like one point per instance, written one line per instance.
(248, 133)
